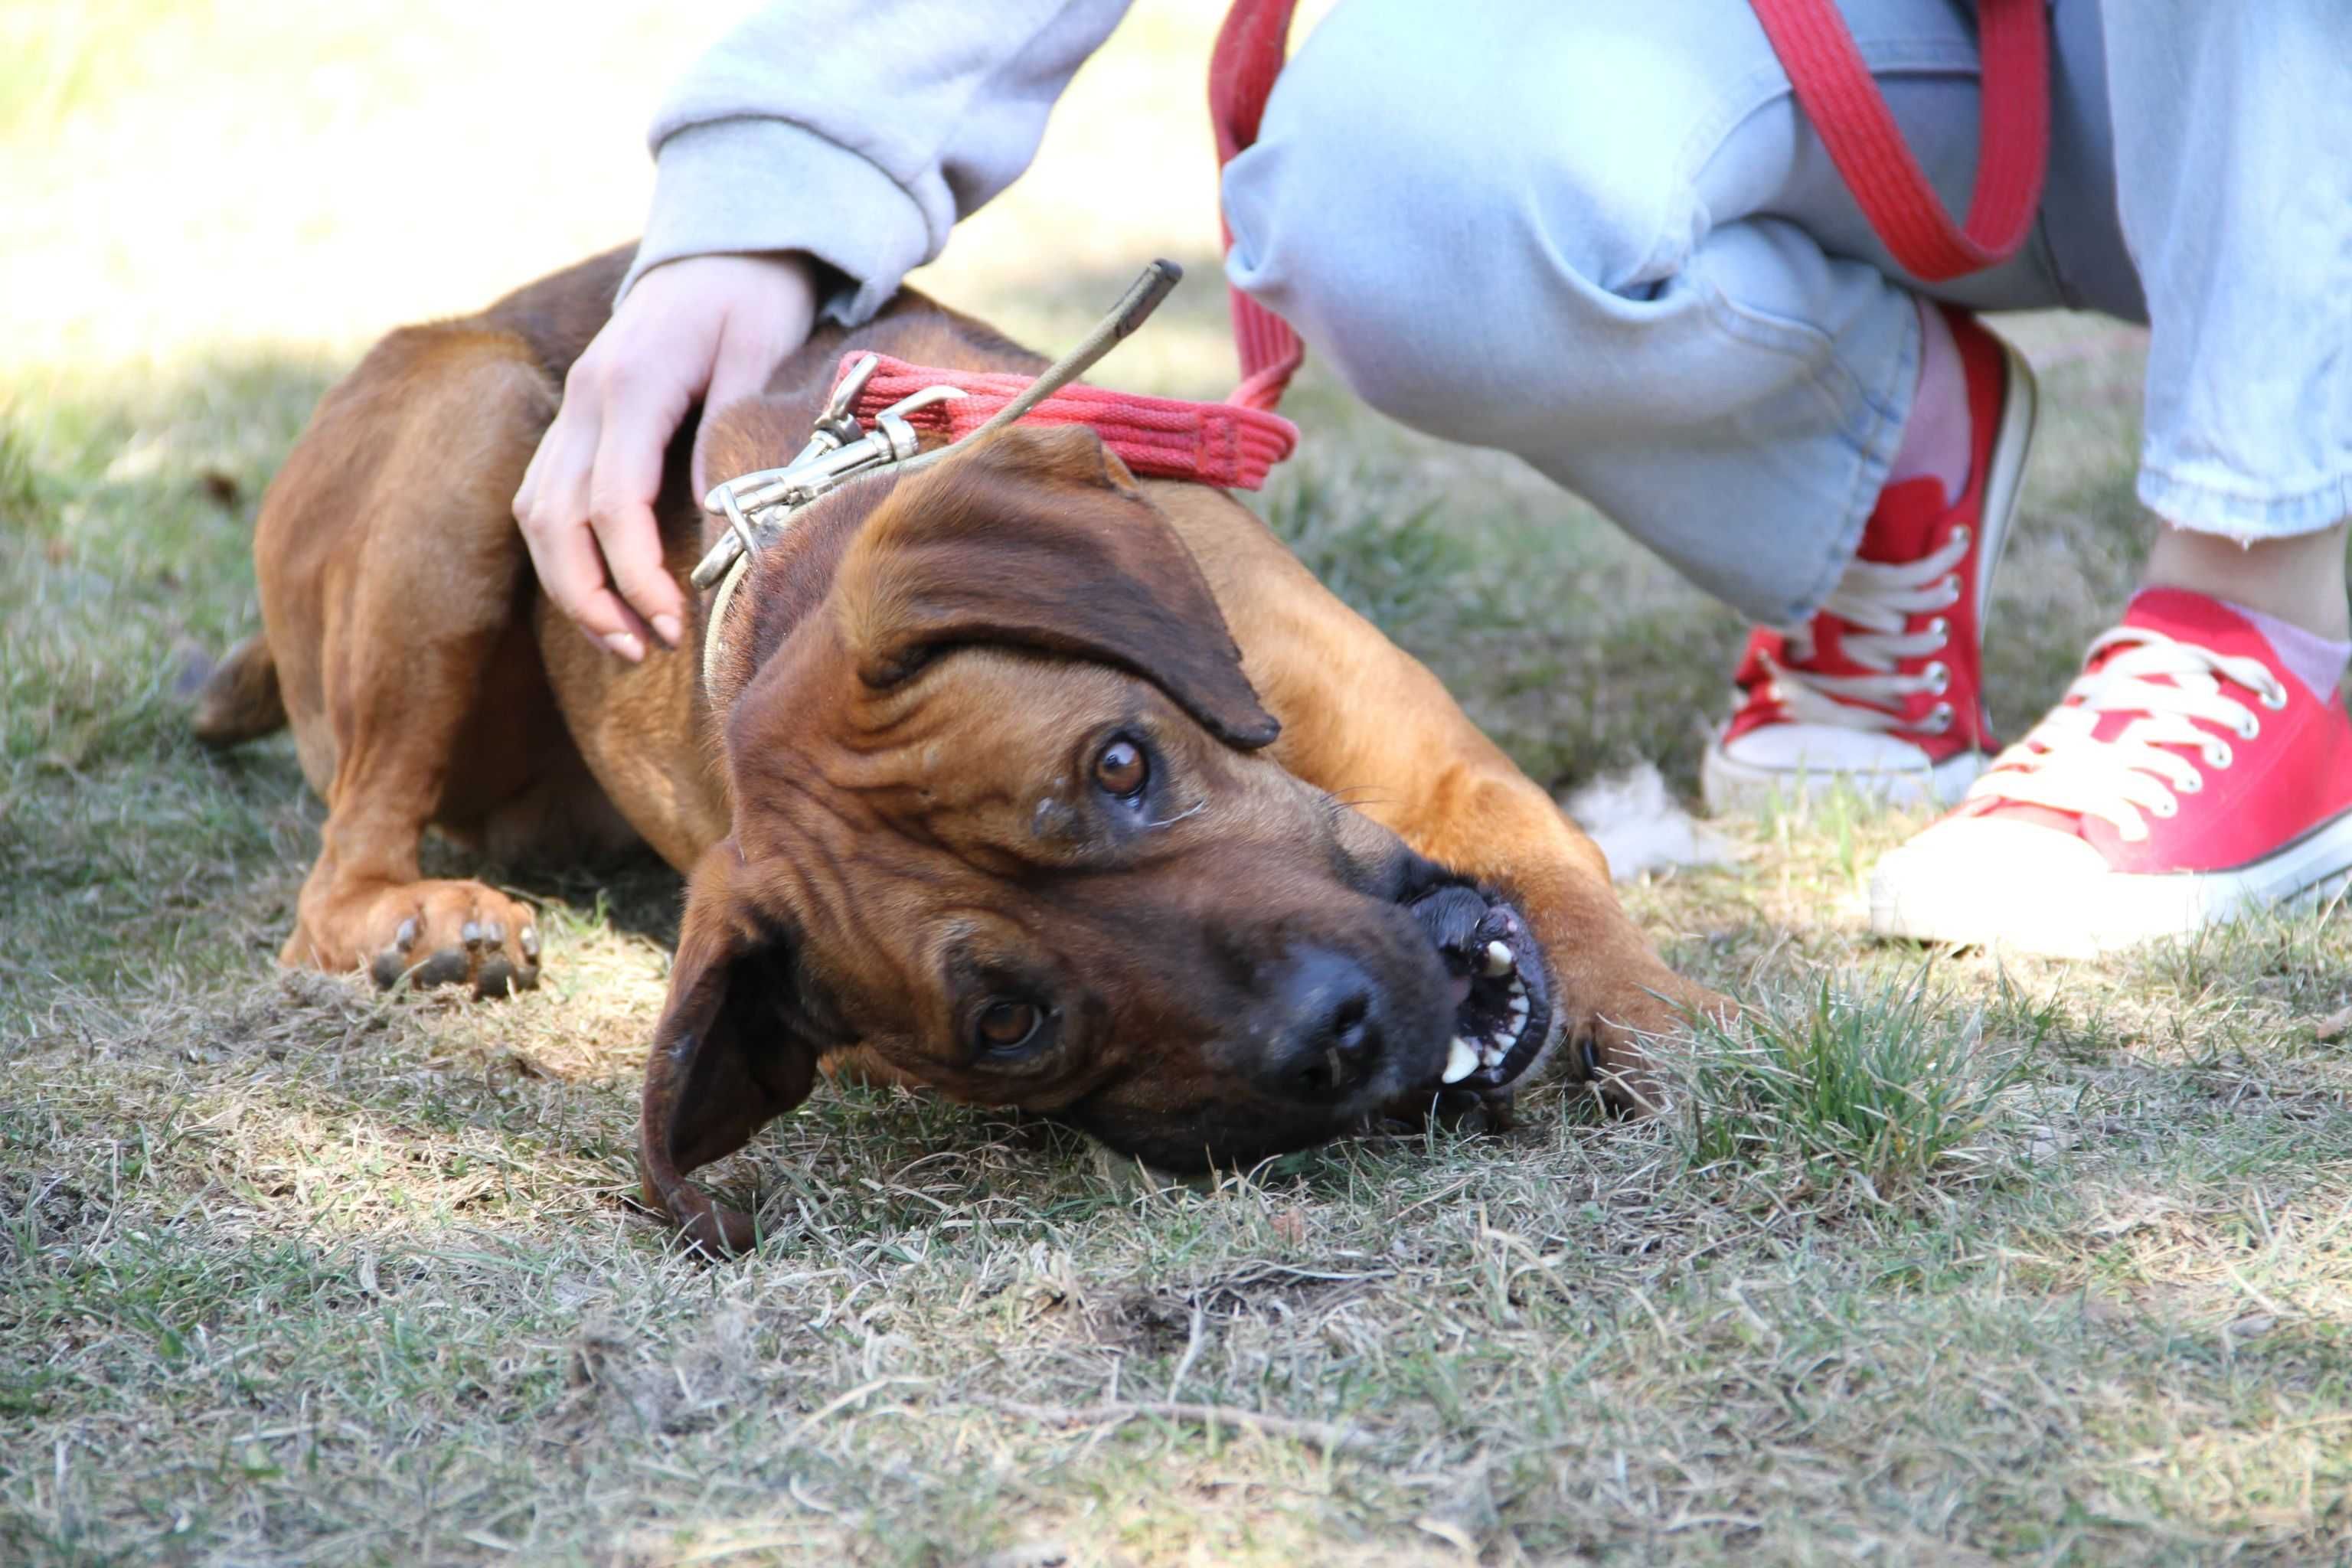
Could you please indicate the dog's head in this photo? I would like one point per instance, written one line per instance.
(1009, 816)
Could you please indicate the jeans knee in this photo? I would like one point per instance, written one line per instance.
(1415, 183)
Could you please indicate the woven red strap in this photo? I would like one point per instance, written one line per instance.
(2012, 135)
(1159, 437)
(1242, 70)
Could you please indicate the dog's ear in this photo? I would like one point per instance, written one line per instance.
(1037, 537)
(734, 1048)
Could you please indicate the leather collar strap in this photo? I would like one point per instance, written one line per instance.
(1223, 444)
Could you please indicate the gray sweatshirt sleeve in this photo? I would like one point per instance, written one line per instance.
(859, 130)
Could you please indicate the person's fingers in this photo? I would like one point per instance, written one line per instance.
(528, 491)
(572, 570)
(709, 327)
(636, 429)
(529, 506)
(551, 506)
(745, 363)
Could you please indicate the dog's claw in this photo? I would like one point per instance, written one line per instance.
(499, 978)
(445, 934)
(445, 967)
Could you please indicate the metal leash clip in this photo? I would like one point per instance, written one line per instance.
(757, 505)
(840, 448)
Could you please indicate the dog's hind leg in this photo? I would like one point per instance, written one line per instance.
(392, 574)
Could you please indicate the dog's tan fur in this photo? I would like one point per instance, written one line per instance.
(891, 737)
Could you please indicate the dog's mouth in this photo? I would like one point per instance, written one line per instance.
(1503, 1012)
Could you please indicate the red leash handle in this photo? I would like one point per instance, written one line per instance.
(1857, 128)
(1158, 437)
(1242, 71)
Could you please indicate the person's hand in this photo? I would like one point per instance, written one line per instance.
(708, 327)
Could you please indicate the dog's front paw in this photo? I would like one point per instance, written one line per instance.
(455, 933)
(1610, 1045)
(427, 933)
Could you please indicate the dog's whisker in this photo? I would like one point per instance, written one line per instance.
(1198, 808)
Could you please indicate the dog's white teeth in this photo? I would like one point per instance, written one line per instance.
(1518, 1014)
(1461, 1061)
(1519, 986)
(1499, 960)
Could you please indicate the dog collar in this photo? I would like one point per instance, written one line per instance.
(1223, 444)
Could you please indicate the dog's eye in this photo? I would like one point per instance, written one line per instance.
(1122, 770)
(1006, 1025)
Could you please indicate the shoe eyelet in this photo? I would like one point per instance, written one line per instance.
(2219, 756)
(2275, 698)
(1940, 629)
(1962, 534)
(1938, 677)
(1938, 720)
(1952, 588)
(2249, 729)
(2165, 809)
(2191, 784)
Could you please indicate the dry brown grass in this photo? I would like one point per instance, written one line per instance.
(293, 1272)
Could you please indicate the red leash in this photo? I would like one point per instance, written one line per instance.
(1223, 444)
(1241, 68)
(1864, 141)
(1834, 88)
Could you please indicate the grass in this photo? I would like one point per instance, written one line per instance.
(1942, 1261)
(1884, 1088)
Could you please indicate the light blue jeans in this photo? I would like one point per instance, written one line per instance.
(1604, 238)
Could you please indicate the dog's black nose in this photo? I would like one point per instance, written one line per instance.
(1323, 1032)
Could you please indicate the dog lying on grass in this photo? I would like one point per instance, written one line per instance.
(1017, 778)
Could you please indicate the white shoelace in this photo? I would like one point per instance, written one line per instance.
(1879, 601)
(2060, 763)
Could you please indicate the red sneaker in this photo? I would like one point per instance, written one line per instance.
(2186, 776)
(1884, 687)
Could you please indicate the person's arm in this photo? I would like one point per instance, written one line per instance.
(859, 132)
(821, 151)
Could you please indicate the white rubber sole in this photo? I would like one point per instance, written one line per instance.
(1727, 784)
(1934, 898)
(2005, 472)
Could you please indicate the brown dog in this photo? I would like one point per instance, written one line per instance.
(1019, 778)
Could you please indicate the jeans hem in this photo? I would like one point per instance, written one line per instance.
(2248, 518)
